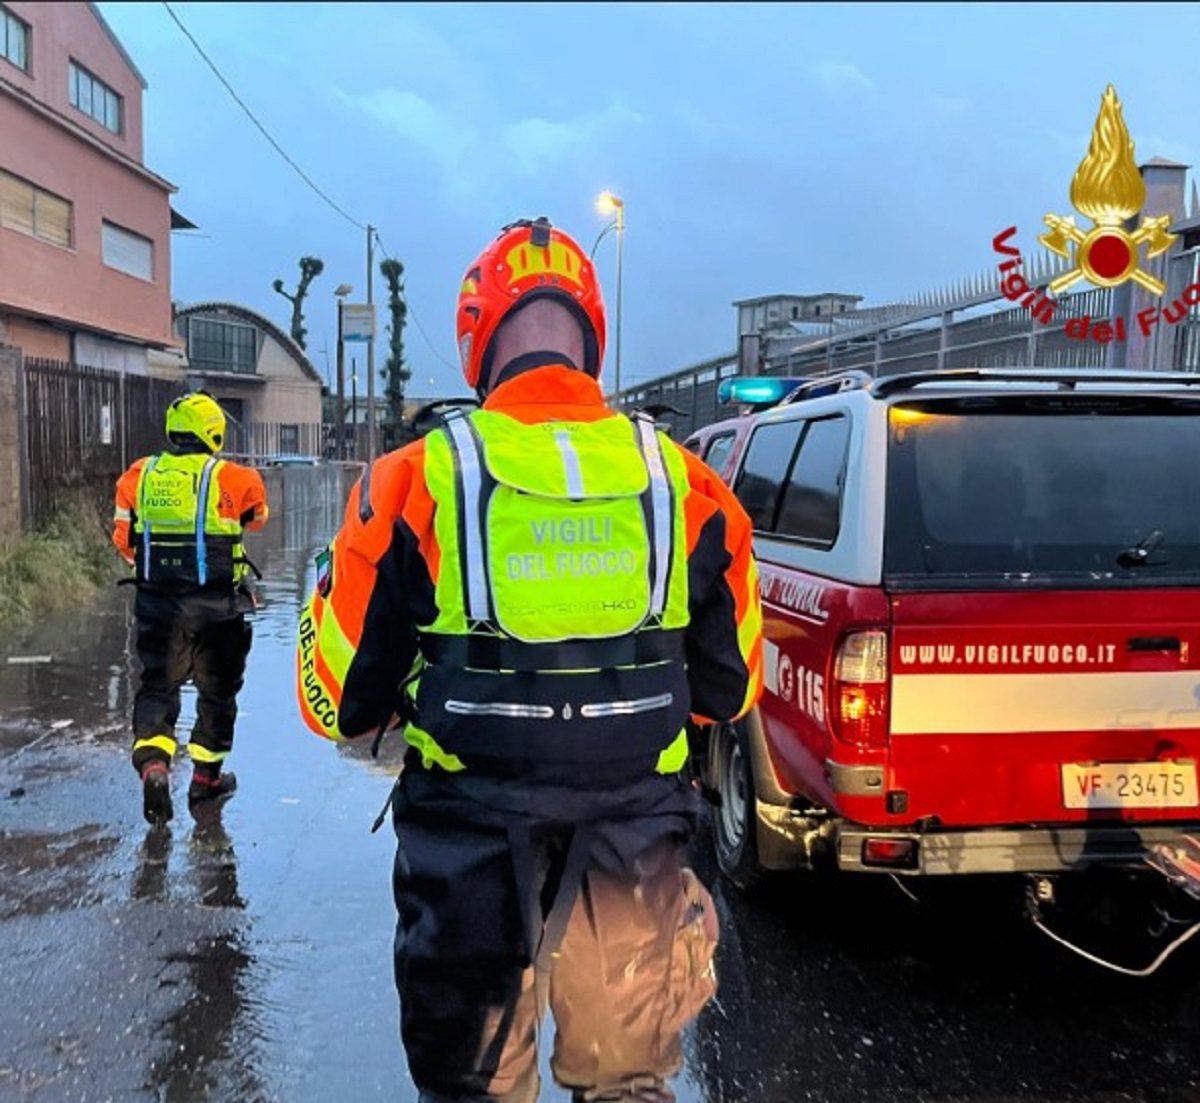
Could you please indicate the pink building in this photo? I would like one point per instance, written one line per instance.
(85, 253)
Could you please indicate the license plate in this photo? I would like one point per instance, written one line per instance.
(1130, 785)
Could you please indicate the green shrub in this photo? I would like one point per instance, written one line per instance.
(62, 566)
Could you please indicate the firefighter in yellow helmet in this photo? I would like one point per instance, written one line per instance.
(545, 590)
(178, 522)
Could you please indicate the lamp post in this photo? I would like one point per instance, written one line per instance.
(608, 203)
(341, 291)
(354, 405)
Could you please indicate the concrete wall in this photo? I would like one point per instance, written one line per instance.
(304, 500)
(289, 396)
(36, 340)
(12, 493)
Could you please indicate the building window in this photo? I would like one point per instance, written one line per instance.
(289, 440)
(222, 346)
(127, 252)
(14, 39)
(30, 210)
(93, 97)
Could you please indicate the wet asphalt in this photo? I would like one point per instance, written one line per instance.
(245, 954)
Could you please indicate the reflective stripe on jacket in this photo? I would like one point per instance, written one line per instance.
(393, 596)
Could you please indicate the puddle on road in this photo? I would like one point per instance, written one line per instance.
(245, 955)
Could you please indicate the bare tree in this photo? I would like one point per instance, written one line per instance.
(395, 372)
(310, 269)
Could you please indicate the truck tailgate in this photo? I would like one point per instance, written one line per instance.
(1046, 707)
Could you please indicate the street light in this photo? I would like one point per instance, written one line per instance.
(341, 291)
(607, 203)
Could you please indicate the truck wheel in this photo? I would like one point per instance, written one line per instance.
(734, 819)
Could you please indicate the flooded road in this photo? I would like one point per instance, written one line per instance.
(246, 954)
(241, 955)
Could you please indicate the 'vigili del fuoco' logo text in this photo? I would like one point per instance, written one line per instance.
(1107, 189)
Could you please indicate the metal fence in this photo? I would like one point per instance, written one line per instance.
(84, 426)
(941, 330)
(262, 440)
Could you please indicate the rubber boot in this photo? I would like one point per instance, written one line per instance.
(210, 784)
(156, 793)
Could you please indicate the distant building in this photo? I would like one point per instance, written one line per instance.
(260, 376)
(85, 255)
(770, 317)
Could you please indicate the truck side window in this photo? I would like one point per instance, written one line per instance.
(768, 457)
(718, 452)
(812, 498)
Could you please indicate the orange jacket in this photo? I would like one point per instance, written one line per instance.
(243, 498)
(358, 636)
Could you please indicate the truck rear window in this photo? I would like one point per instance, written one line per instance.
(1050, 489)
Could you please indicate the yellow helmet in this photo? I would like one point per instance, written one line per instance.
(198, 416)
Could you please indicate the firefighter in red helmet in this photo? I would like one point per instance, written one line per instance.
(546, 591)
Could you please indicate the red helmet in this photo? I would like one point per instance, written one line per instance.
(528, 260)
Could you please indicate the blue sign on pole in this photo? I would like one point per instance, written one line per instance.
(358, 322)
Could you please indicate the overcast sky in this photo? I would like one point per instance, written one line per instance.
(759, 148)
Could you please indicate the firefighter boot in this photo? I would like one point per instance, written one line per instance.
(208, 783)
(156, 793)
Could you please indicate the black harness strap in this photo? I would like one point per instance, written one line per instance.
(579, 850)
(543, 937)
(500, 653)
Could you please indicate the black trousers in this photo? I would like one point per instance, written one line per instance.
(202, 637)
(633, 967)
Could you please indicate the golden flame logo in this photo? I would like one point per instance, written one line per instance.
(1107, 186)
(1108, 189)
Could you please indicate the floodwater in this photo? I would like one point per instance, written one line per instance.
(246, 954)
(243, 955)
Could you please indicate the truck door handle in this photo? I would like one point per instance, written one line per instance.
(1152, 643)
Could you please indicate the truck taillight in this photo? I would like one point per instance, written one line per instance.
(860, 689)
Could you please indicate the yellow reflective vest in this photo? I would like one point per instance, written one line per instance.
(180, 538)
(563, 601)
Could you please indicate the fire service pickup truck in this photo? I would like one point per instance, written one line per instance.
(981, 596)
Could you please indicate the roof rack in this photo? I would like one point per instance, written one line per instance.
(1066, 378)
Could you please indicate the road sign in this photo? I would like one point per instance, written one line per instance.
(358, 322)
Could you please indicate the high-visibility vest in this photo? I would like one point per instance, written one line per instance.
(180, 538)
(562, 597)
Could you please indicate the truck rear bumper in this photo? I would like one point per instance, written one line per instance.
(1008, 850)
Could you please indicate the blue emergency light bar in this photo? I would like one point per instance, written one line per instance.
(756, 390)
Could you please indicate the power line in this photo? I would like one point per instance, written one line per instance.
(250, 115)
(299, 171)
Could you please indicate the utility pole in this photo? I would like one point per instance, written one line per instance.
(341, 387)
(354, 404)
(371, 346)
